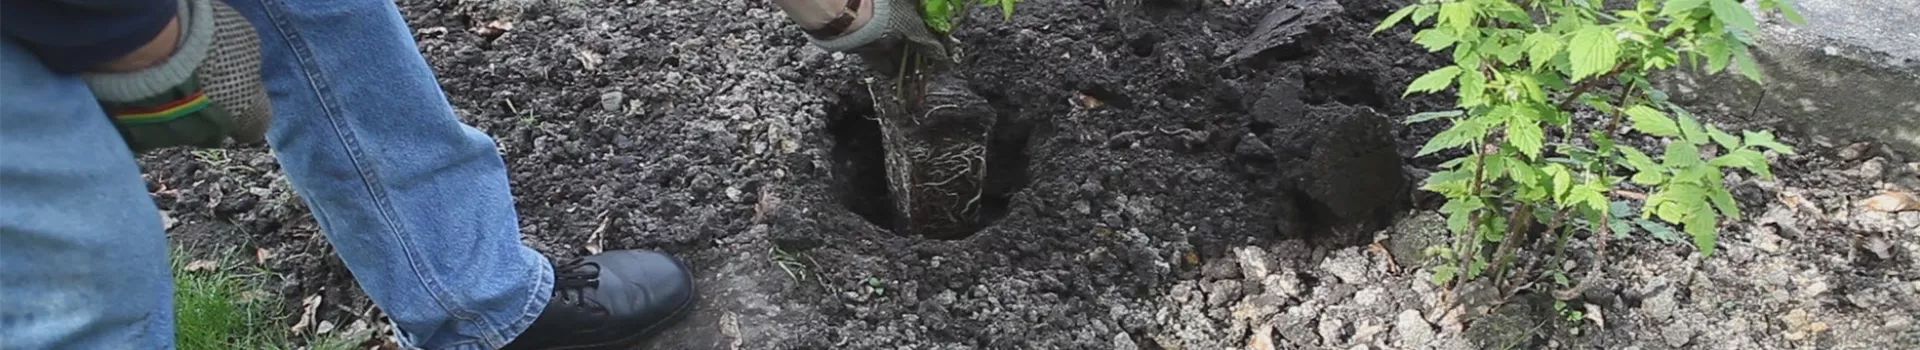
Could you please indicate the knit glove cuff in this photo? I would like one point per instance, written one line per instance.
(207, 92)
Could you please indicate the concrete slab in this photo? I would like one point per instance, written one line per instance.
(1851, 72)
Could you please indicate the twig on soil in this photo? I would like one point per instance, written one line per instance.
(594, 244)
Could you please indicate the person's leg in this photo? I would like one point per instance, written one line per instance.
(417, 203)
(83, 256)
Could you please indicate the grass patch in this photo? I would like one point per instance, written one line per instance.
(225, 304)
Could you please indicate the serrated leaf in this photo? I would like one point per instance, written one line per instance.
(1652, 121)
(1726, 140)
(1394, 18)
(1447, 182)
(1457, 15)
(1593, 50)
(1462, 133)
(1006, 8)
(1748, 66)
(1637, 160)
(1473, 90)
(1658, 230)
(1423, 13)
(1691, 129)
(1718, 53)
(1526, 136)
(1427, 116)
(1650, 177)
(1680, 155)
(1433, 81)
(1542, 48)
(1764, 139)
(1744, 158)
(1562, 179)
(1733, 14)
(1723, 201)
(937, 14)
(1678, 6)
(1701, 225)
(1444, 273)
(1787, 9)
(1435, 39)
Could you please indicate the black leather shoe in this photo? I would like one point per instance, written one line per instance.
(610, 300)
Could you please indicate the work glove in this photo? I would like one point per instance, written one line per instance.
(896, 26)
(207, 93)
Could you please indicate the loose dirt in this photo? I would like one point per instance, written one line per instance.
(1166, 174)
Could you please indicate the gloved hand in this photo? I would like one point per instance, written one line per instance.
(895, 27)
(209, 91)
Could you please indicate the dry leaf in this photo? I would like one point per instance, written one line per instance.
(1262, 339)
(1087, 101)
(308, 307)
(1893, 202)
(261, 255)
(589, 59)
(494, 29)
(202, 265)
(1593, 314)
(325, 327)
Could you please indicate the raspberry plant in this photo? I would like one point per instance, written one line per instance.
(1522, 67)
(943, 16)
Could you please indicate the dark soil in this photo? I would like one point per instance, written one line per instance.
(1166, 174)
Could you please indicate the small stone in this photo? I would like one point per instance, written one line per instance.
(1910, 221)
(1123, 341)
(1678, 334)
(1814, 289)
(1221, 269)
(1333, 331)
(1856, 151)
(1258, 307)
(1871, 169)
(1283, 284)
(1411, 330)
(612, 101)
(1369, 296)
(1253, 261)
(1219, 293)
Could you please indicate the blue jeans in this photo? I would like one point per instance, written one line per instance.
(415, 202)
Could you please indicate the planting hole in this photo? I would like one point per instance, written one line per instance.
(859, 163)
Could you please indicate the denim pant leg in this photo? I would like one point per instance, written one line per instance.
(83, 256)
(414, 201)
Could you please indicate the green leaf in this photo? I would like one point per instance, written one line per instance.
(1394, 18)
(1473, 89)
(1726, 140)
(1457, 15)
(1723, 201)
(1435, 39)
(1433, 81)
(1650, 177)
(937, 14)
(1652, 121)
(1542, 48)
(1691, 128)
(1426, 116)
(1562, 179)
(1425, 12)
(1701, 225)
(1658, 230)
(1786, 9)
(1679, 6)
(1638, 160)
(1450, 181)
(1527, 136)
(1455, 136)
(1594, 51)
(1748, 66)
(1744, 158)
(1765, 139)
(1717, 51)
(1733, 14)
(1006, 8)
(1444, 273)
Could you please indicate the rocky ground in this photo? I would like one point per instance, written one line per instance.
(1168, 174)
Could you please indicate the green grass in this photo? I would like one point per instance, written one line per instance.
(230, 307)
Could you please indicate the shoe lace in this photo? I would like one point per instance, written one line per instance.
(574, 280)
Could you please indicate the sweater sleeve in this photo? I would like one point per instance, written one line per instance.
(70, 36)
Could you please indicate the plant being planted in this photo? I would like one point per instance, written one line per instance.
(1522, 67)
(935, 132)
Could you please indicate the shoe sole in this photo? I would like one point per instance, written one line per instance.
(693, 297)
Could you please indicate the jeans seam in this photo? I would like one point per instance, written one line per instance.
(304, 56)
(536, 304)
